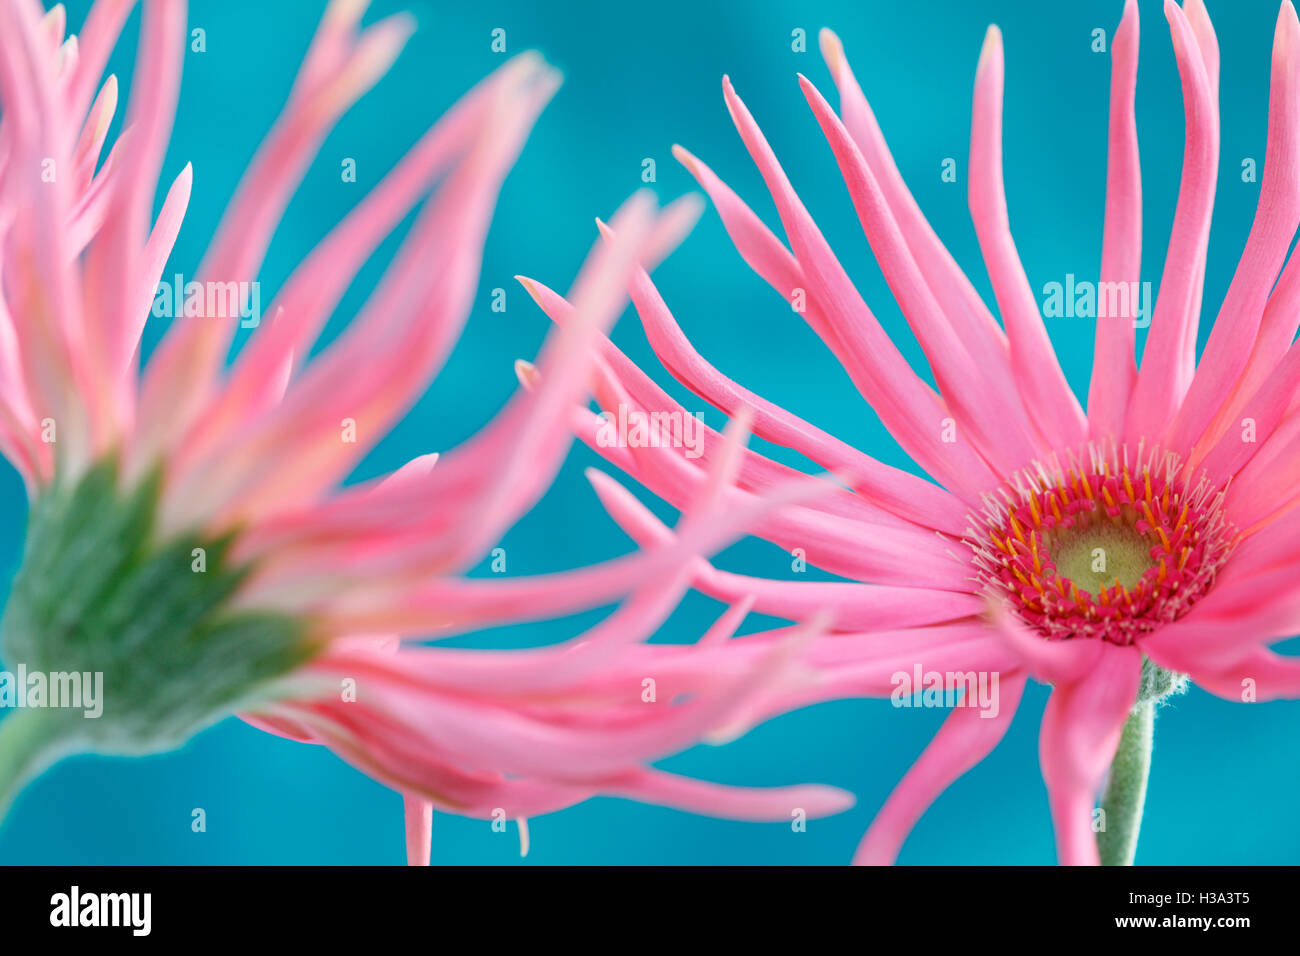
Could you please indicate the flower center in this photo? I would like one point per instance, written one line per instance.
(1109, 548)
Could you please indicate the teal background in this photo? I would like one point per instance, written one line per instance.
(639, 78)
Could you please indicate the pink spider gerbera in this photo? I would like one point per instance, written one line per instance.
(186, 540)
(1111, 554)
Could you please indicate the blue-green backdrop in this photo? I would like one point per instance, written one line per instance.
(639, 77)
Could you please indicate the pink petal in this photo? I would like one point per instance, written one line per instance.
(965, 738)
(1080, 732)
(985, 404)
(419, 829)
(1038, 375)
(1235, 330)
(910, 410)
(1113, 369)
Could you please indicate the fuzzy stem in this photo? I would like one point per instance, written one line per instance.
(1126, 792)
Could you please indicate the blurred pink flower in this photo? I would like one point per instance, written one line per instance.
(186, 537)
(1106, 554)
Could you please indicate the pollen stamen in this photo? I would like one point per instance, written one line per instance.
(1109, 548)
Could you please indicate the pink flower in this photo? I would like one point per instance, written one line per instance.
(1106, 554)
(187, 541)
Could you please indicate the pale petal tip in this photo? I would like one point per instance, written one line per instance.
(600, 482)
(527, 374)
(682, 215)
(687, 205)
(530, 287)
(825, 801)
(529, 71)
(832, 51)
(727, 733)
(1286, 18)
(528, 60)
(346, 12)
(811, 93)
(392, 32)
(1129, 19)
(730, 97)
(686, 158)
(992, 45)
(375, 53)
(845, 799)
(545, 79)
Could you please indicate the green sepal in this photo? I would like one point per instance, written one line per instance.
(1157, 684)
(97, 593)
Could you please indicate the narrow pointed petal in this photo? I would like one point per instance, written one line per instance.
(987, 405)
(1038, 374)
(1238, 325)
(971, 319)
(911, 411)
(966, 738)
(1081, 729)
(1114, 370)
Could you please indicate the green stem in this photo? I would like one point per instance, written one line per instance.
(1127, 790)
(26, 747)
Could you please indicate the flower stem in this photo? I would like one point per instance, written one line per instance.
(1126, 792)
(26, 739)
